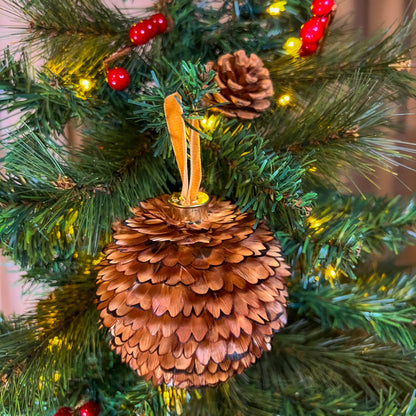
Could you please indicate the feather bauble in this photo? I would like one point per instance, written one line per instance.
(190, 304)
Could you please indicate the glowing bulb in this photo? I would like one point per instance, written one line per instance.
(292, 46)
(209, 124)
(276, 8)
(85, 84)
(285, 100)
(314, 223)
(331, 274)
(55, 342)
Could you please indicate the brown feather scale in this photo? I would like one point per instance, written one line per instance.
(191, 304)
(244, 83)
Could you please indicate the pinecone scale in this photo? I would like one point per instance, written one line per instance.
(244, 83)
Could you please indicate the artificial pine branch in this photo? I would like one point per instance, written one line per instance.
(379, 56)
(55, 213)
(292, 378)
(348, 360)
(256, 177)
(60, 342)
(45, 102)
(343, 232)
(350, 339)
(347, 114)
(382, 306)
(381, 221)
(76, 36)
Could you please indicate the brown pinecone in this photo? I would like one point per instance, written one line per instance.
(191, 304)
(245, 86)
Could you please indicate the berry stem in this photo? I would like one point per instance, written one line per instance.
(118, 54)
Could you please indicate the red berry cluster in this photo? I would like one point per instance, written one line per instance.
(118, 78)
(90, 408)
(140, 33)
(313, 30)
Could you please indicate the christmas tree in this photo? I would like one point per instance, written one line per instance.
(278, 296)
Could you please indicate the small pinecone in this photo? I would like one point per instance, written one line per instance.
(191, 304)
(245, 86)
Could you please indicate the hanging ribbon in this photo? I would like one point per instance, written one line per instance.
(177, 132)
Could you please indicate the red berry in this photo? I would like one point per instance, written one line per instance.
(323, 21)
(322, 7)
(118, 78)
(90, 408)
(139, 34)
(160, 21)
(151, 28)
(308, 49)
(311, 31)
(64, 411)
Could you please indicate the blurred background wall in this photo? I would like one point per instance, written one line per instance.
(369, 15)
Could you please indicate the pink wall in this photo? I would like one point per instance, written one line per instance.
(11, 299)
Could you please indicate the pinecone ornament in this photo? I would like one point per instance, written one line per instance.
(245, 86)
(191, 303)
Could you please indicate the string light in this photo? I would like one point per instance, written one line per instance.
(97, 261)
(55, 342)
(85, 84)
(174, 398)
(292, 46)
(315, 223)
(276, 8)
(56, 377)
(284, 100)
(204, 122)
(209, 124)
(331, 274)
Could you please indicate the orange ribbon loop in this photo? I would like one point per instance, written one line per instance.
(177, 132)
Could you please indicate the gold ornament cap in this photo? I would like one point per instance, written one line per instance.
(197, 211)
